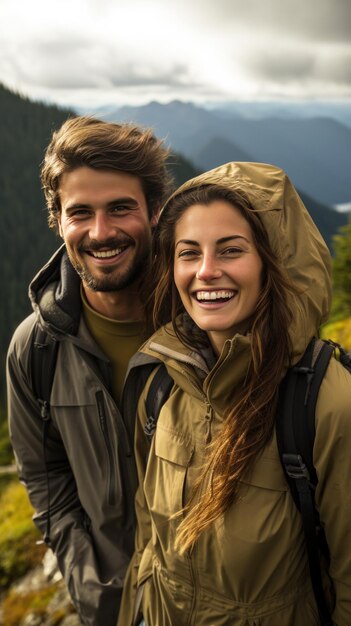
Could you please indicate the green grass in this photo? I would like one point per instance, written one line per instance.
(18, 535)
(339, 331)
(6, 452)
(16, 606)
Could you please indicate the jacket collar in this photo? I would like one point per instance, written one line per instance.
(216, 380)
(55, 294)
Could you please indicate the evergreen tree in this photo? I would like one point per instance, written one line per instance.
(25, 239)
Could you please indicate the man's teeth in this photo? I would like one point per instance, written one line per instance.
(214, 295)
(105, 254)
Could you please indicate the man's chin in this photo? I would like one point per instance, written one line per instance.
(108, 280)
(104, 285)
(109, 283)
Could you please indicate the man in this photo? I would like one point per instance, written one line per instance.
(104, 184)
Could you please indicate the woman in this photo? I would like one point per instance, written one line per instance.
(244, 275)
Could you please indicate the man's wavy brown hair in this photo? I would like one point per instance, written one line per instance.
(86, 141)
(249, 422)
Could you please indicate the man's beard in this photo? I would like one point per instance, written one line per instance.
(112, 281)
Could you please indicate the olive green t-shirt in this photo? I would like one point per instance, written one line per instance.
(118, 340)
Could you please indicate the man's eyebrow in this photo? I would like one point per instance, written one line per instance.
(77, 205)
(86, 205)
(129, 201)
(190, 242)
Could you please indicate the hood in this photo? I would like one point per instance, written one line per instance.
(55, 295)
(293, 236)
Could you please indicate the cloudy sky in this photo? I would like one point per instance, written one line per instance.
(94, 52)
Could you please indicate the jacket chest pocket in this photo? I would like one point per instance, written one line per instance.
(263, 511)
(88, 429)
(170, 456)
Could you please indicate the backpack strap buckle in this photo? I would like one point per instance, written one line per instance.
(150, 426)
(44, 409)
(295, 466)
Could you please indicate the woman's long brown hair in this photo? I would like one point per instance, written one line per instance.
(249, 423)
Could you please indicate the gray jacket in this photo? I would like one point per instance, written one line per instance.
(90, 467)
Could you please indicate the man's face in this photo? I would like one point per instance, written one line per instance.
(105, 225)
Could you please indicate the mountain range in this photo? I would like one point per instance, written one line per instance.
(314, 151)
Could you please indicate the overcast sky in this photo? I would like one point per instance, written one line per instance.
(94, 52)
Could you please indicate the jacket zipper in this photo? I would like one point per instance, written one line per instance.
(111, 487)
(191, 555)
(208, 418)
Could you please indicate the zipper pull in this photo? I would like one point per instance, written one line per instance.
(208, 418)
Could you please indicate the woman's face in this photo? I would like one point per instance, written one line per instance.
(217, 269)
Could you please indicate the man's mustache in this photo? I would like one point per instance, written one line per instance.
(117, 242)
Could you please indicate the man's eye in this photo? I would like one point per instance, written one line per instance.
(120, 208)
(79, 213)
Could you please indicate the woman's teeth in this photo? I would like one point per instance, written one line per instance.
(214, 295)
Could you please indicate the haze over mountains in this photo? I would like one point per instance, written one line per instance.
(314, 150)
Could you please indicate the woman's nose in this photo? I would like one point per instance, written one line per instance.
(209, 268)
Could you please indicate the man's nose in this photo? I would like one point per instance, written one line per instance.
(103, 227)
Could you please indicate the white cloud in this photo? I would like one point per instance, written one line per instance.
(108, 51)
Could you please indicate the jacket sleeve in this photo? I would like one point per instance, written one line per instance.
(51, 485)
(130, 612)
(332, 459)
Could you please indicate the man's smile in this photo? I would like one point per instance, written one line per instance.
(104, 254)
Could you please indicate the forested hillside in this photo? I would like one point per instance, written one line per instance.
(25, 129)
(26, 241)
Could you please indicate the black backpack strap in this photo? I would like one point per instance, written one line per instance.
(158, 393)
(295, 427)
(341, 354)
(43, 362)
(135, 382)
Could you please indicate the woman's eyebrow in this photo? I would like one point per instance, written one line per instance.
(188, 242)
(191, 242)
(230, 237)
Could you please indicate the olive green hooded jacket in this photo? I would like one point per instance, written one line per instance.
(250, 568)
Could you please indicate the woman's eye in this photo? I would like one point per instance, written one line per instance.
(187, 253)
(232, 251)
